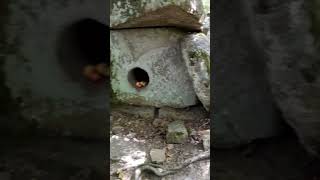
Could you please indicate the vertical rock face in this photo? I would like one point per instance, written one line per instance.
(156, 53)
(243, 105)
(287, 32)
(149, 13)
(196, 55)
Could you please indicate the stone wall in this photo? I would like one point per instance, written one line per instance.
(154, 38)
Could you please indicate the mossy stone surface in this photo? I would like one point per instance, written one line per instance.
(176, 133)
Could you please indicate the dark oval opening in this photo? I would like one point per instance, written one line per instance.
(138, 78)
(81, 44)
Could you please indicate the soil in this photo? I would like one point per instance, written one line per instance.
(57, 158)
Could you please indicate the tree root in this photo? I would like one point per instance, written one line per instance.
(154, 168)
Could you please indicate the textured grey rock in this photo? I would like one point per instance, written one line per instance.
(195, 49)
(243, 104)
(158, 155)
(145, 13)
(288, 35)
(157, 52)
(205, 136)
(176, 132)
(206, 26)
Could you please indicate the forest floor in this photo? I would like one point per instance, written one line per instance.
(78, 159)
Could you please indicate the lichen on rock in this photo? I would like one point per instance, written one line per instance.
(195, 49)
(154, 13)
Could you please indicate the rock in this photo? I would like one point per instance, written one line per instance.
(206, 26)
(195, 50)
(243, 104)
(170, 146)
(158, 155)
(131, 135)
(154, 56)
(188, 114)
(205, 136)
(144, 13)
(293, 64)
(176, 133)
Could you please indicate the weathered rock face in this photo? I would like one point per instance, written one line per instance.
(283, 39)
(243, 106)
(156, 54)
(196, 54)
(35, 77)
(288, 33)
(206, 26)
(148, 13)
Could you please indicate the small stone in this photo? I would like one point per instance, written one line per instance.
(205, 136)
(170, 146)
(176, 133)
(158, 155)
(117, 129)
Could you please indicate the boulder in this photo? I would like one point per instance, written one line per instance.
(288, 32)
(151, 55)
(187, 14)
(243, 106)
(195, 50)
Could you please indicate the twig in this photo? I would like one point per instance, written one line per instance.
(153, 167)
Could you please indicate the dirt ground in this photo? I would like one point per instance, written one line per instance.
(77, 159)
(146, 134)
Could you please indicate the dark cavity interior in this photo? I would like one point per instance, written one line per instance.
(138, 75)
(83, 43)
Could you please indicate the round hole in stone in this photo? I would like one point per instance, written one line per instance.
(82, 43)
(138, 78)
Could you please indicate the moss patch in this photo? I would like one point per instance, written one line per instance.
(199, 55)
